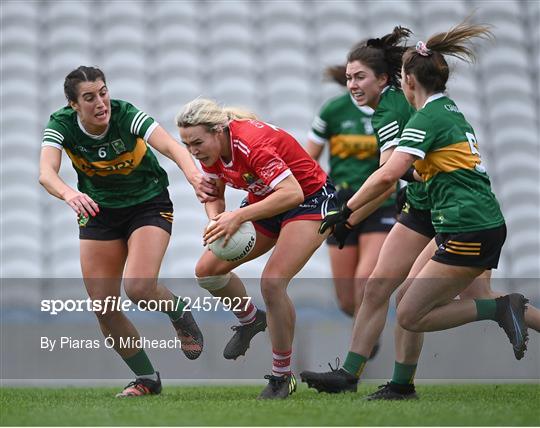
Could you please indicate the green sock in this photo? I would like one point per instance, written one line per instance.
(354, 363)
(140, 364)
(485, 309)
(178, 308)
(404, 373)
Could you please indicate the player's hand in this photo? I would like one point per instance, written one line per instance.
(223, 225)
(81, 203)
(341, 232)
(205, 188)
(334, 217)
(401, 199)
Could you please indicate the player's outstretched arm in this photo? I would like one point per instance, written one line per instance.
(205, 187)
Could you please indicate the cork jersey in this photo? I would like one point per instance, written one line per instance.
(116, 169)
(458, 186)
(389, 119)
(346, 128)
(263, 156)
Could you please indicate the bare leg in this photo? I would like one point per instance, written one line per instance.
(102, 264)
(369, 245)
(425, 307)
(397, 255)
(343, 263)
(291, 253)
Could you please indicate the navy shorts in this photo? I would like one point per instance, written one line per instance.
(480, 248)
(314, 208)
(120, 223)
(381, 220)
(417, 220)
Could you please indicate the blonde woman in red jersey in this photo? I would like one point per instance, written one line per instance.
(287, 192)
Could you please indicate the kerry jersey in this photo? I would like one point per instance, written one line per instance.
(262, 157)
(116, 169)
(457, 184)
(389, 119)
(346, 128)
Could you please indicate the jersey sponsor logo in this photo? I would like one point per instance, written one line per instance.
(258, 187)
(124, 164)
(359, 146)
(272, 168)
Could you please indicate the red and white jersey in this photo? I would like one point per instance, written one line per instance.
(263, 156)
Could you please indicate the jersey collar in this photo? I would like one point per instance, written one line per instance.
(95, 137)
(230, 164)
(368, 111)
(433, 98)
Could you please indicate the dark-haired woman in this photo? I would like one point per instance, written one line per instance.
(469, 225)
(123, 209)
(346, 128)
(372, 73)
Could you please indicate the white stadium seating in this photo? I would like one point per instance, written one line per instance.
(266, 56)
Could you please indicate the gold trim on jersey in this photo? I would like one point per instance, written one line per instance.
(123, 164)
(447, 159)
(359, 146)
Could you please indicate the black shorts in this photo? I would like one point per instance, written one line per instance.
(314, 207)
(481, 248)
(417, 220)
(120, 223)
(381, 220)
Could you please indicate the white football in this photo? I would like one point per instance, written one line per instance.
(239, 245)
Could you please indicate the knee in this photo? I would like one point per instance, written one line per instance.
(272, 289)
(377, 291)
(214, 282)
(109, 317)
(408, 320)
(209, 267)
(139, 289)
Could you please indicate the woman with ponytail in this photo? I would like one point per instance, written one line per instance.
(373, 79)
(288, 195)
(385, 280)
(469, 225)
(346, 128)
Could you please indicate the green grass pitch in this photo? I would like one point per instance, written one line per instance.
(473, 405)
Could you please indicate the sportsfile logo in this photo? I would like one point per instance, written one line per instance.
(116, 304)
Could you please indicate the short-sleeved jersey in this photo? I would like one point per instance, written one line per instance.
(262, 157)
(116, 169)
(458, 186)
(354, 154)
(388, 121)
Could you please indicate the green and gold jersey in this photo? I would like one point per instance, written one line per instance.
(346, 127)
(458, 187)
(116, 169)
(388, 121)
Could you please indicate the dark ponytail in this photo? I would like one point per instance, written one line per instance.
(383, 55)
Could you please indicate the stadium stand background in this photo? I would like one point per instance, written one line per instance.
(267, 56)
